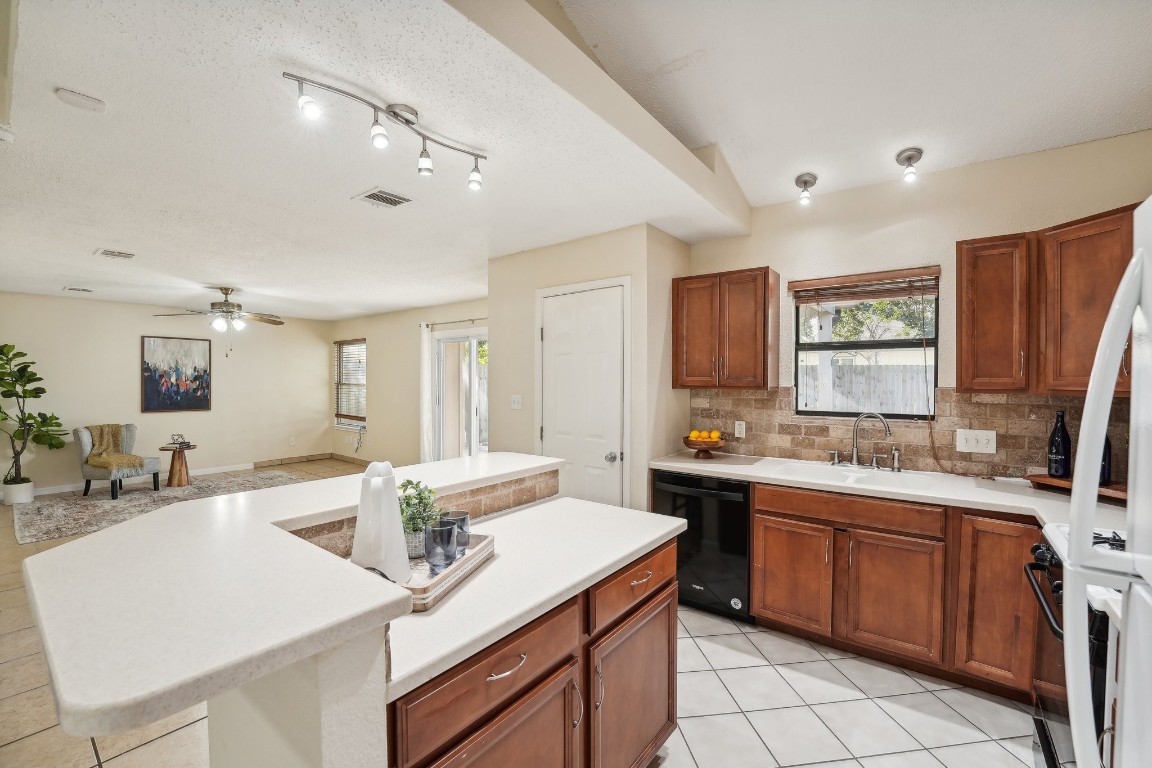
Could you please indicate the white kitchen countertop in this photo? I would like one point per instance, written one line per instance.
(158, 613)
(1002, 495)
(545, 554)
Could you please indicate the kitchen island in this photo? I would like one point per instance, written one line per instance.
(215, 599)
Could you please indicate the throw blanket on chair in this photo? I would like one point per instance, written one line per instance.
(106, 449)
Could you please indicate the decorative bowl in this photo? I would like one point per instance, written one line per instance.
(703, 448)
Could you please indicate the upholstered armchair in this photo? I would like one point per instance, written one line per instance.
(127, 440)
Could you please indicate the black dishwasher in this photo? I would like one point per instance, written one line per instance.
(712, 555)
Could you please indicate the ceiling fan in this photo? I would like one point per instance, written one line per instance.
(228, 314)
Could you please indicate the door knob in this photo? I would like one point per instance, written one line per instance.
(610, 457)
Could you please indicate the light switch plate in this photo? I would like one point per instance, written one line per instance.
(739, 430)
(517, 402)
(976, 440)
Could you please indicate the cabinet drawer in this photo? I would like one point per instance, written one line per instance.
(612, 597)
(434, 715)
(923, 519)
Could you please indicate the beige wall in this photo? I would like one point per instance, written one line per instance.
(393, 341)
(274, 385)
(894, 225)
(651, 258)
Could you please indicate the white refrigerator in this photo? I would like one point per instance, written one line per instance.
(1128, 571)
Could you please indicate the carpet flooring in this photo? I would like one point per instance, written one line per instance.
(52, 518)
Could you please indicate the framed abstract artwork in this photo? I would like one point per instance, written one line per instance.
(176, 374)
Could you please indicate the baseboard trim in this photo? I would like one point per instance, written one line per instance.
(291, 460)
(141, 480)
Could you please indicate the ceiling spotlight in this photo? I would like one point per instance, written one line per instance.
(805, 181)
(908, 158)
(424, 164)
(379, 135)
(219, 324)
(475, 180)
(238, 324)
(307, 104)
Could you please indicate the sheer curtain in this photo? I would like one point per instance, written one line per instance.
(427, 416)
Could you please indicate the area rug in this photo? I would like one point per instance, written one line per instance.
(41, 520)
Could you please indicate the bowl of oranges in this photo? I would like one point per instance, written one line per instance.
(702, 441)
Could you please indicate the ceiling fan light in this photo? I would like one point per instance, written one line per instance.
(219, 324)
(238, 324)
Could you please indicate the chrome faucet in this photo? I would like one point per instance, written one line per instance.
(856, 434)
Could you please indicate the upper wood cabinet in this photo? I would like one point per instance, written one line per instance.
(992, 307)
(1031, 307)
(725, 328)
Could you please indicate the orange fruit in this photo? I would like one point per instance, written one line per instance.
(715, 434)
(694, 434)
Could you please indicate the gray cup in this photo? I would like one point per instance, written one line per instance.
(463, 528)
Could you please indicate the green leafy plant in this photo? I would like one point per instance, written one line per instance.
(18, 383)
(417, 506)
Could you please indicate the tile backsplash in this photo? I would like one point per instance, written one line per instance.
(1021, 423)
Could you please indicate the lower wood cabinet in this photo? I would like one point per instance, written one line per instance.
(543, 728)
(792, 573)
(896, 594)
(632, 686)
(995, 607)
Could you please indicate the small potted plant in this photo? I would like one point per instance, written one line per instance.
(18, 383)
(417, 509)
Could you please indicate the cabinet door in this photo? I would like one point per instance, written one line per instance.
(792, 573)
(1083, 263)
(992, 320)
(995, 609)
(742, 329)
(542, 728)
(896, 594)
(695, 316)
(632, 686)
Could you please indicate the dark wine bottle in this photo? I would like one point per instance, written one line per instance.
(1106, 462)
(1059, 449)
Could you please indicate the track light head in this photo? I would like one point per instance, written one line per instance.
(805, 182)
(475, 180)
(424, 164)
(908, 158)
(378, 134)
(306, 103)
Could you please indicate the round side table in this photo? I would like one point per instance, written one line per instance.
(178, 469)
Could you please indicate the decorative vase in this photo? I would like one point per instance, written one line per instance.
(415, 542)
(21, 493)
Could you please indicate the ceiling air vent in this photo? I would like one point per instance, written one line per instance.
(76, 290)
(382, 197)
(111, 254)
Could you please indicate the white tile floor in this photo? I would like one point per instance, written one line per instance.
(752, 697)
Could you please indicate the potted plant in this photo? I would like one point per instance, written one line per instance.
(18, 383)
(417, 509)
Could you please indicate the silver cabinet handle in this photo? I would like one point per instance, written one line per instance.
(502, 675)
(644, 580)
(600, 677)
(1021, 362)
(579, 700)
(611, 457)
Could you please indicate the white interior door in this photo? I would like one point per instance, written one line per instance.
(582, 376)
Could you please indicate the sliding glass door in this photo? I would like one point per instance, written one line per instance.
(461, 394)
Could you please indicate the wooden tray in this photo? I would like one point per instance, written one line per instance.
(1117, 491)
(702, 447)
(427, 590)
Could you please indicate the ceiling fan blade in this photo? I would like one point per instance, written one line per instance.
(269, 319)
(185, 313)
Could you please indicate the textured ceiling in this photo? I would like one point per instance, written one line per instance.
(203, 166)
(838, 87)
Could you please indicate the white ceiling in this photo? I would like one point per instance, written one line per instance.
(204, 168)
(838, 87)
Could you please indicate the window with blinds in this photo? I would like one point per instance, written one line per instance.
(868, 343)
(350, 366)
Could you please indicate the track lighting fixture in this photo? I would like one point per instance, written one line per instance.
(424, 164)
(378, 134)
(401, 115)
(307, 104)
(475, 180)
(806, 181)
(908, 158)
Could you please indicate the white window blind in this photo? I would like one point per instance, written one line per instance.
(350, 360)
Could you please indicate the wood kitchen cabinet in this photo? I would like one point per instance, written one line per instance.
(995, 608)
(792, 572)
(725, 328)
(896, 594)
(632, 686)
(1031, 306)
(994, 340)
